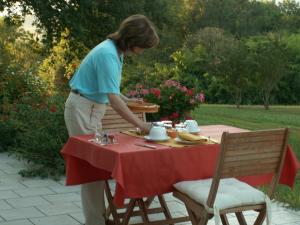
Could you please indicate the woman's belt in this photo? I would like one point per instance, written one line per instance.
(76, 92)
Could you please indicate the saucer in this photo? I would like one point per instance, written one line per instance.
(161, 139)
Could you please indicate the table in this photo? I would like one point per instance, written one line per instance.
(143, 172)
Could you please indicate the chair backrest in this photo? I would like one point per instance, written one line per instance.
(250, 153)
(112, 121)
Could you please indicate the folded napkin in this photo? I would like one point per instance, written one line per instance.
(191, 137)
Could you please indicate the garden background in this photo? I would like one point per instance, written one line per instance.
(244, 55)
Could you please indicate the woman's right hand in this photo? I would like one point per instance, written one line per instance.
(145, 127)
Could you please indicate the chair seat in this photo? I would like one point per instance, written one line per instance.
(231, 193)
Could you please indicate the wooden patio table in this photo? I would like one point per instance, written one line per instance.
(143, 172)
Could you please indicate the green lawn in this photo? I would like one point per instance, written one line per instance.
(256, 118)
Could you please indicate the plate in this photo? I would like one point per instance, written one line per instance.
(179, 140)
(195, 131)
(150, 139)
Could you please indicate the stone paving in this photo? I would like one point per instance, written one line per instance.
(33, 201)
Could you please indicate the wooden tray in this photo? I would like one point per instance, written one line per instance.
(145, 107)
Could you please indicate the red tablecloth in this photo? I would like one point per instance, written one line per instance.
(141, 172)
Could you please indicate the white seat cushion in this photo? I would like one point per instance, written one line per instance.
(231, 193)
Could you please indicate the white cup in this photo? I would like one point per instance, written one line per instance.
(181, 129)
(158, 133)
(192, 125)
(167, 122)
(159, 123)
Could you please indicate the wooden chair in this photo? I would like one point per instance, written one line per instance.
(112, 121)
(241, 154)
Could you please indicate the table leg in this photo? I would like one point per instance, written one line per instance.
(143, 209)
(112, 207)
(165, 207)
(129, 211)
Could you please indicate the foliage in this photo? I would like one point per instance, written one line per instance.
(61, 63)
(290, 15)
(8, 132)
(174, 99)
(239, 17)
(270, 56)
(17, 69)
(41, 135)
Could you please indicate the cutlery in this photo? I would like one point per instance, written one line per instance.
(147, 146)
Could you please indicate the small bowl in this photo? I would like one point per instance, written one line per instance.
(172, 133)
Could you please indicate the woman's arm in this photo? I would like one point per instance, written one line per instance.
(120, 107)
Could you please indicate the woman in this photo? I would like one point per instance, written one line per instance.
(96, 83)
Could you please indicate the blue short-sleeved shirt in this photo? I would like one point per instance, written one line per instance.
(99, 73)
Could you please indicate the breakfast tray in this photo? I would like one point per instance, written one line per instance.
(145, 107)
(171, 142)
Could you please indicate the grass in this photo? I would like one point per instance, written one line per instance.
(256, 118)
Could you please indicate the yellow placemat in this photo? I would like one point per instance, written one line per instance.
(171, 142)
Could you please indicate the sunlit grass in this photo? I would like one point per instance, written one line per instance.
(256, 118)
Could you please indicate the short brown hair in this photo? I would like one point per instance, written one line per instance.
(135, 31)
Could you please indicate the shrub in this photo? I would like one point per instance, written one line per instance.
(175, 100)
(42, 135)
(8, 132)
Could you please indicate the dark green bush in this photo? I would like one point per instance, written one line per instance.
(8, 133)
(41, 137)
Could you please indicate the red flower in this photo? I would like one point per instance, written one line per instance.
(132, 93)
(53, 109)
(145, 91)
(190, 92)
(175, 115)
(155, 91)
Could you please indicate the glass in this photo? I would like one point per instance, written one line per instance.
(98, 134)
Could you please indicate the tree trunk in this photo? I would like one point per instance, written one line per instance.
(238, 98)
(266, 98)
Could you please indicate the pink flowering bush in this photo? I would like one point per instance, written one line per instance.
(175, 100)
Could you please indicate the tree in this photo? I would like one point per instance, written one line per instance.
(271, 57)
(240, 17)
(290, 15)
(61, 63)
(19, 59)
(226, 59)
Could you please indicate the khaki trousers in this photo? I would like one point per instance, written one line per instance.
(82, 117)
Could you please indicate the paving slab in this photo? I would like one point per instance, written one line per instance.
(28, 192)
(20, 213)
(27, 202)
(55, 220)
(59, 209)
(17, 222)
